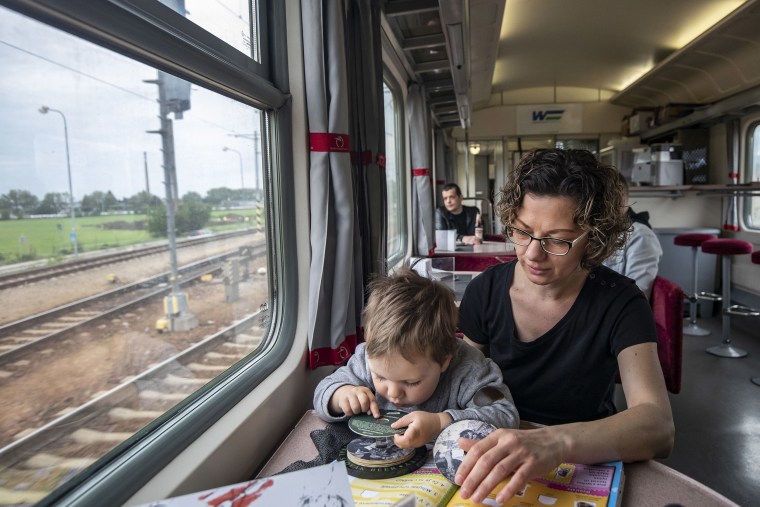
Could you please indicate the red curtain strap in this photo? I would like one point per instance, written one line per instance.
(733, 175)
(327, 141)
(421, 172)
(730, 227)
(380, 160)
(440, 182)
(327, 356)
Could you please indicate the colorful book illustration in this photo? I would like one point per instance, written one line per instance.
(323, 485)
(569, 485)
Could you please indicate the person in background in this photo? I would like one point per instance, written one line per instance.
(454, 215)
(413, 361)
(640, 257)
(560, 325)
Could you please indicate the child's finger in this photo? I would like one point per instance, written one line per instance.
(374, 408)
(403, 422)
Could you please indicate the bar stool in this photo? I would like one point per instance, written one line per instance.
(756, 260)
(727, 248)
(695, 240)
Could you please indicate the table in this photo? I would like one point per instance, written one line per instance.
(647, 483)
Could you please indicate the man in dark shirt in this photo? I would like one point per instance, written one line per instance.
(454, 215)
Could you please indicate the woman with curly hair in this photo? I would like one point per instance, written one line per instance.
(560, 325)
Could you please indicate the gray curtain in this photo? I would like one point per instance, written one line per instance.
(423, 229)
(366, 112)
(335, 292)
(444, 173)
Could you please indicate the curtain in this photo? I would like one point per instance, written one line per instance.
(442, 175)
(423, 230)
(334, 279)
(367, 117)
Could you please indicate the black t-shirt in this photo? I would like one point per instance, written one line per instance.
(568, 374)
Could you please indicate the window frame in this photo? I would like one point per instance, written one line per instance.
(149, 32)
(394, 258)
(752, 126)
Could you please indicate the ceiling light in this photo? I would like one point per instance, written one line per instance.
(475, 149)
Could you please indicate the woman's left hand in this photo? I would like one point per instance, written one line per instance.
(523, 453)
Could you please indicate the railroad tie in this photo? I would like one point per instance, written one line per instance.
(174, 380)
(5, 374)
(127, 414)
(159, 396)
(207, 367)
(218, 355)
(247, 338)
(29, 497)
(86, 436)
(242, 347)
(43, 460)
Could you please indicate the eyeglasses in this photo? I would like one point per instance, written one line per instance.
(552, 246)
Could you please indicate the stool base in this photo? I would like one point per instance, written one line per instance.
(726, 350)
(755, 380)
(693, 329)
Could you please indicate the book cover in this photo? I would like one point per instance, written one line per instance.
(325, 485)
(568, 485)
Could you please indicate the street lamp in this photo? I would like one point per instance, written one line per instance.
(45, 110)
(240, 156)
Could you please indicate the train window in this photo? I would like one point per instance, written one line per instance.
(235, 22)
(752, 204)
(396, 202)
(134, 259)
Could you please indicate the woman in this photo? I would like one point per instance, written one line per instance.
(560, 325)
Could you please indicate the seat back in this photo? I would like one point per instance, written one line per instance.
(667, 306)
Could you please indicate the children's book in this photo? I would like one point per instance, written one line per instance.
(568, 485)
(325, 485)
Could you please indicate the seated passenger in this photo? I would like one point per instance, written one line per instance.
(454, 215)
(412, 361)
(639, 258)
(560, 326)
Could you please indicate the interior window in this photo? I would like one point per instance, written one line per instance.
(133, 254)
(396, 202)
(752, 173)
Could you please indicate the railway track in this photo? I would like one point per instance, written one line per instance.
(34, 465)
(29, 335)
(41, 458)
(34, 275)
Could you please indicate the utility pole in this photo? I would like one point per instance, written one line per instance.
(178, 316)
(147, 181)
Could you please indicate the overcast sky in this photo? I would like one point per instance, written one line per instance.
(108, 109)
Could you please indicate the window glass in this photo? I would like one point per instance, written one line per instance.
(396, 209)
(752, 173)
(230, 20)
(101, 154)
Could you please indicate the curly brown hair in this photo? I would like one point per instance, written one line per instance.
(599, 194)
(410, 314)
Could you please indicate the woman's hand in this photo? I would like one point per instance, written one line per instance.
(421, 428)
(524, 453)
(352, 400)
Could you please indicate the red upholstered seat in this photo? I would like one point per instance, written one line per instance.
(479, 262)
(725, 246)
(667, 306)
(692, 239)
(756, 257)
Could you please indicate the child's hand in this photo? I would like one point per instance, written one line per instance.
(421, 428)
(352, 400)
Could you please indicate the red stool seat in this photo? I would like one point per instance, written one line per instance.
(692, 239)
(725, 246)
(756, 257)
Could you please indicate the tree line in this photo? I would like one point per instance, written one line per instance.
(20, 203)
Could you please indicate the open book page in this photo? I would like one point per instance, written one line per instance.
(429, 487)
(323, 485)
(568, 485)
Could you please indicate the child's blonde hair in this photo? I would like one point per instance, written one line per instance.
(409, 314)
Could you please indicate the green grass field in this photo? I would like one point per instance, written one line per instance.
(40, 238)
